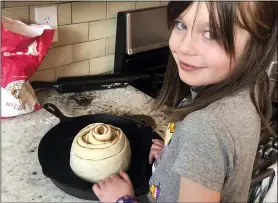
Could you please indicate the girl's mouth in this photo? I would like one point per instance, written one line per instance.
(188, 67)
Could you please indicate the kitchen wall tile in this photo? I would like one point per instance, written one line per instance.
(88, 11)
(164, 3)
(147, 4)
(59, 56)
(114, 7)
(64, 14)
(44, 75)
(102, 65)
(2, 4)
(110, 45)
(46, 63)
(72, 34)
(89, 50)
(75, 69)
(17, 13)
(24, 3)
(57, 2)
(102, 29)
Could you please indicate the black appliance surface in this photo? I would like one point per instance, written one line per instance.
(152, 63)
(142, 47)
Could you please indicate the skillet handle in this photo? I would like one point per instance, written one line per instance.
(51, 108)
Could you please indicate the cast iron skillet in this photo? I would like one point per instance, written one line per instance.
(54, 151)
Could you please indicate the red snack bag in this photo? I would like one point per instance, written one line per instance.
(22, 51)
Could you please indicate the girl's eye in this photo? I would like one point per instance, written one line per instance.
(208, 35)
(211, 36)
(180, 26)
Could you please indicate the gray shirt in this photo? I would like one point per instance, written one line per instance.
(214, 147)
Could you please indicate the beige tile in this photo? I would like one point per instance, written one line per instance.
(164, 3)
(102, 65)
(44, 75)
(46, 63)
(114, 7)
(110, 45)
(89, 50)
(147, 4)
(102, 29)
(72, 34)
(24, 3)
(88, 11)
(75, 69)
(59, 56)
(17, 13)
(64, 14)
(58, 2)
(2, 4)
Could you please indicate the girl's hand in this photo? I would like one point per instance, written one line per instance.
(114, 187)
(156, 149)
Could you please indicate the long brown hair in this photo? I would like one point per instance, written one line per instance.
(260, 20)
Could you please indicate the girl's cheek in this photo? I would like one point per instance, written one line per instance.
(174, 42)
(218, 60)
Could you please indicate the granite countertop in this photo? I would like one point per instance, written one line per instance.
(22, 177)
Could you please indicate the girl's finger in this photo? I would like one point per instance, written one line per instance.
(107, 180)
(114, 176)
(124, 176)
(96, 189)
(157, 147)
(158, 142)
(152, 155)
(100, 183)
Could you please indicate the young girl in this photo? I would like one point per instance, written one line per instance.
(222, 51)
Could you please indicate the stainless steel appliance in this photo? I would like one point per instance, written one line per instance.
(142, 47)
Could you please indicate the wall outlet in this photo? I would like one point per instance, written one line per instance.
(45, 15)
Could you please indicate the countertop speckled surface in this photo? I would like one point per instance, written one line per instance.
(22, 178)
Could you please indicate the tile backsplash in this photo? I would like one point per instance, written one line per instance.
(86, 35)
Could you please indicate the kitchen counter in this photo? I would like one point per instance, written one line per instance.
(22, 177)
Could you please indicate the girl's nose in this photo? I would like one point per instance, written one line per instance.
(188, 45)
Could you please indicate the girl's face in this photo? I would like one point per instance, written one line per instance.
(199, 57)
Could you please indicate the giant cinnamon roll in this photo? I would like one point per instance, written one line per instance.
(98, 151)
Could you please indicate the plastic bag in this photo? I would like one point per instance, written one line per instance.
(22, 51)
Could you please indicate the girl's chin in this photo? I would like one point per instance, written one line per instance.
(190, 80)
